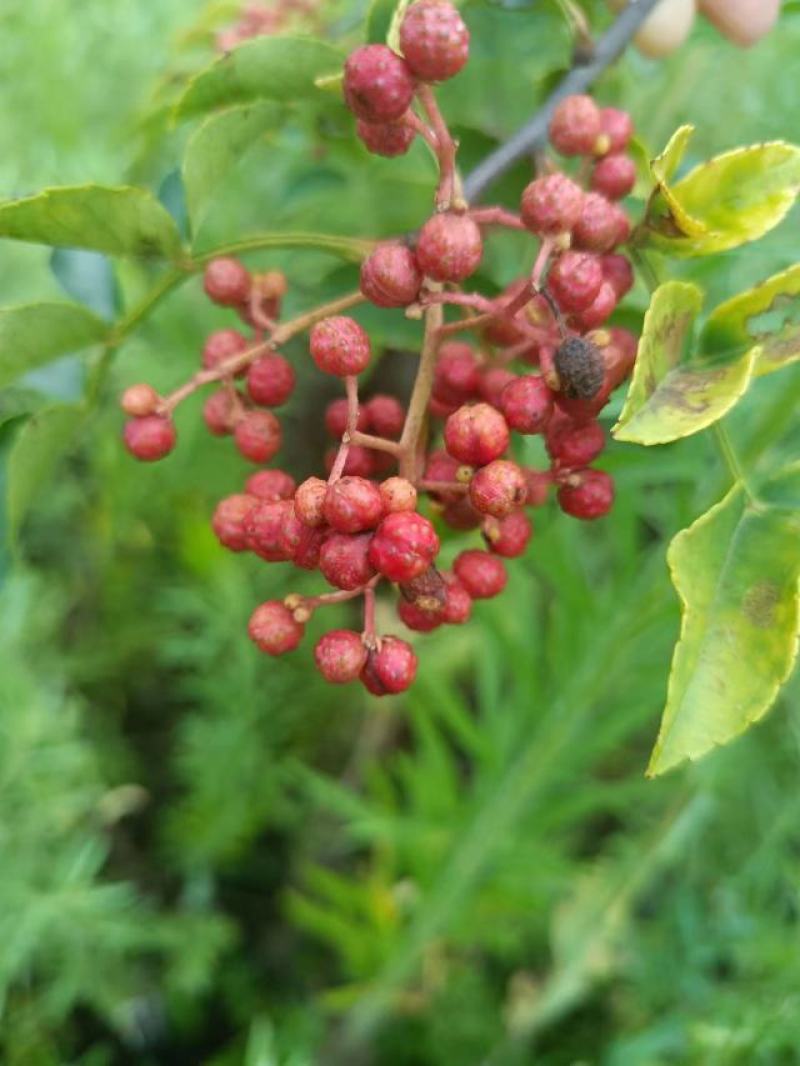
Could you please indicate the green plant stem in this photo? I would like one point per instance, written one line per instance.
(731, 460)
(356, 248)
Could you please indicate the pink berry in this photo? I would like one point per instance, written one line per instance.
(404, 546)
(551, 205)
(623, 225)
(390, 276)
(229, 521)
(300, 542)
(458, 604)
(442, 467)
(219, 412)
(574, 280)
(476, 434)
(417, 618)
(258, 436)
(575, 126)
(460, 514)
(271, 485)
(588, 495)
(599, 310)
(575, 446)
(620, 355)
(385, 416)
(390, 668)
(139, 400)
(494, 380)
(527, 403)
(270, 380)
(617, 126)
(596, 229)
(482, 575)
(498, 488)
(457, 375)
(360, 461)
(273, 628)
(344, 560)
(618, 272)
(538, 484)
(336, 418)
(222, 345)
(378, 86)
(340, 656)
(385, 138)
(508, 536)
(149, 438)
(449, 247)
(614, 176)
(339, 345)
(227, 282)
(309, 501)
(398, 494)
(434, 40)
(264, 529)
(353, 504)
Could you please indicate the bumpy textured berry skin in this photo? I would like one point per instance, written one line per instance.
(340, 346)
(229, 521)
(527, 404)
(336, 418)
(614, 176)
(417, 618)
(574, 280)
(596, 229)
(404, 546)
(226, 282)
(434, 40)
(599, 310)
(139, 400)
(360, 462)
(258, 436)
(623, 225)
(460, 514)
(482, 575)
(264, 528)
(580, 368)
(299, 542)
(617, 126)
(385, 416)
(551, 205)
(493, 380)
(149, 438)
(270, 380)
(442, 467)
(391, 668)
(378, 86)
(344, 560)
(218, 412)
(309, 501)
(458, 605)
(271, 485)
(538, 483)
(398, 494)
(273, 628)
(618, 272)
(498, 488)
(385, 138)
(575, 126)
(221, 345)
(390, 276)
(476, 434)
(340, 656)
(457, 375)
(620, 355)
(508, 536)
(449, 247)
(575, 446)
(353, 504)
(592, 496)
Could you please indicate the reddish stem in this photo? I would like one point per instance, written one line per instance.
(496, 216)
(351, 387)
(448, 194)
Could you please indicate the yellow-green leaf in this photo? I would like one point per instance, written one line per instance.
(767, 316)
(665, 206)
(264, 68)
(34, 334)
(674, 393)
(117, 220)
(664, 165)
(736, 572)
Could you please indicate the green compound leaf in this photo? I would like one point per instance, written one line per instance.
(674, 394)
(736, 572)
(38, 449)
(767, 316)
(730, 200)
(117, 220)
(662, 169)
(34, 334)
(216, 148)
(283, 69)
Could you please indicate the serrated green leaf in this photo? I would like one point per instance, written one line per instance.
(264, 68)
(674, 393)
(33, 334)
(736, 572)
(737, 197)
(766, 316)
(118, 220)
(217, 146)
(38, 449)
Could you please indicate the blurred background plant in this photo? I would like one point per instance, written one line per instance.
(206, 857)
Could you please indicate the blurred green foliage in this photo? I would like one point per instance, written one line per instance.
(205, 857)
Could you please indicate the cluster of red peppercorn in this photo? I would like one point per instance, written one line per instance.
(259, 20)
(544, 363)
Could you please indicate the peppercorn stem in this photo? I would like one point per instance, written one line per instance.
(496, 216)
(413, 435)
(448, 193)
(351, 387)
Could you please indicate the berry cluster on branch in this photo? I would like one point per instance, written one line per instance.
(542, 361)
